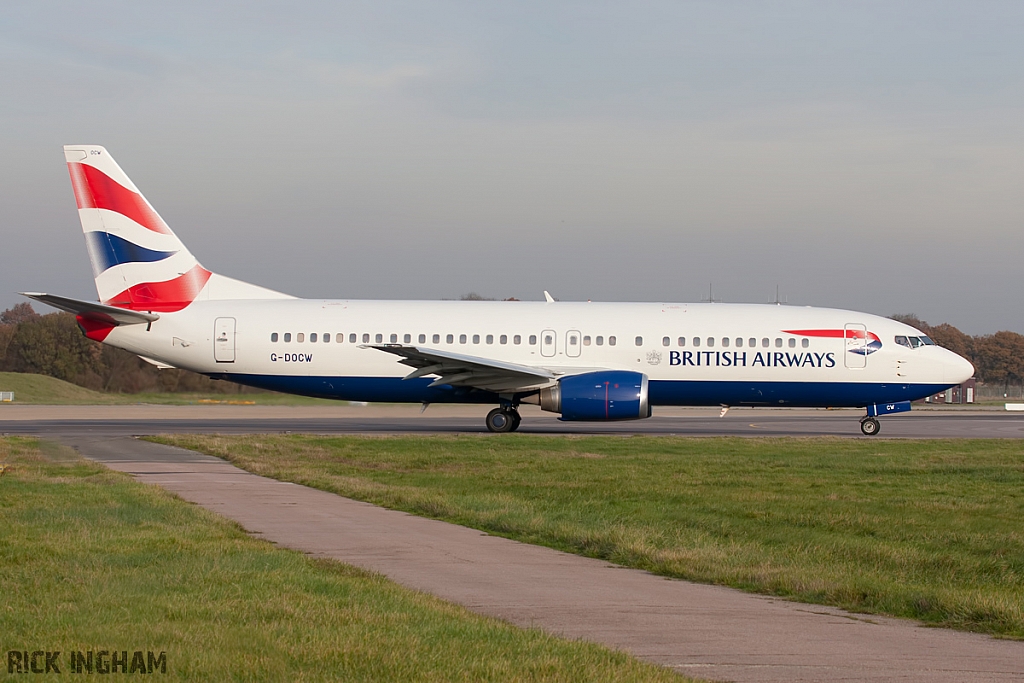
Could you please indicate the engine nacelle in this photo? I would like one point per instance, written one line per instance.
(608, 395)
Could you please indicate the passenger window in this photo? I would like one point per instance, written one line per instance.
(599, 341)
(696, 341)
(805, 342)
(611, 341)
(548, 339)
(366, 338)
(533, 339)
(407, 339)
(725, 342)
(287, 337)
(273, 336)
(300, 337)
(503, 339)
(739, 341)
(711, 341)
(792, 343)
(751, 342)
(665, 341)
(489, 339)
(327, 338)
(517, 340)
(639, 341)
(352, 338)
(378, 338)
(586, 340)
(312, 337)
(573, 340)
(340, 338)
(423, 339)
(778, 343)
(436, 339)
(450, 339)
(764, 342)
(681, 341)
(476, 338)
(462, 339)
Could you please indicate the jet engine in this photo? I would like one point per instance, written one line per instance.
(595, 396)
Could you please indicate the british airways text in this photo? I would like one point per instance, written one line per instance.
(766, 359)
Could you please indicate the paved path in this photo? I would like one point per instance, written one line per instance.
(699, 630)
(342, 419)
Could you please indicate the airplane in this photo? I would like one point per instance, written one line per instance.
(584, 361)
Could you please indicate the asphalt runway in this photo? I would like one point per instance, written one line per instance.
(141, 419)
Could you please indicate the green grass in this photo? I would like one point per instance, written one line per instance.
(932, 530)
(91, 560)
(30, 389)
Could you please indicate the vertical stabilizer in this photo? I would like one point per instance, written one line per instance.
(137, 260)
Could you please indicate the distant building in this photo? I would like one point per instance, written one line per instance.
(961, 393)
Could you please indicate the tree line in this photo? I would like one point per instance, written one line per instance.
(53, 345)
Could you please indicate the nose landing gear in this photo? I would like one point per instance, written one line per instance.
(869, 426)
(504, 419)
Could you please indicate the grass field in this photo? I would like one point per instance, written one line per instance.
(32, 389)
(932, 530)
(90, 560)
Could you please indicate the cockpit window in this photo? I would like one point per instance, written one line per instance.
(902, 340)
(927, 341)
(916, 341)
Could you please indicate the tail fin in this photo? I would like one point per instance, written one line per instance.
(138, 262)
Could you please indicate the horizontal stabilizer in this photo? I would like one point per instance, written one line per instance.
(94, 310)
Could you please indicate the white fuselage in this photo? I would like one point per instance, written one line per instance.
(693, 354)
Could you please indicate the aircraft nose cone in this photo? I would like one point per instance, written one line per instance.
(958, 369)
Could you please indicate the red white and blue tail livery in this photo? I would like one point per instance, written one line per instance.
(584, 361)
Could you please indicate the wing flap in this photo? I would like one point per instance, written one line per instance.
(456, 369)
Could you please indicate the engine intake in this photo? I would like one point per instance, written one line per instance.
(595, 396)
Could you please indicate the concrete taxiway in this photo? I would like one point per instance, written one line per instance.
(341, 419)
(704, 631)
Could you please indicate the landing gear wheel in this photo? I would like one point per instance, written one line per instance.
(869, 426)
(500, 420)
(516, 420)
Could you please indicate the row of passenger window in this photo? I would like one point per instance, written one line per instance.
(727, 341)
(353, 338)
(599, 340)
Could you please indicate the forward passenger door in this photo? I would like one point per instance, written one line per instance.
(573, 343)
(855, 355)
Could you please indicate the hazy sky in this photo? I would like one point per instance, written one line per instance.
(860, 155)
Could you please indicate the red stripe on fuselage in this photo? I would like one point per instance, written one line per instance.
(163, 297)
(835, 334)
(94, 189)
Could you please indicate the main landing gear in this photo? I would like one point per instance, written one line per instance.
(504, 419)
(869, 426)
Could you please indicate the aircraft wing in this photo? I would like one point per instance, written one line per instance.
(94, 310)
(457, 369)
